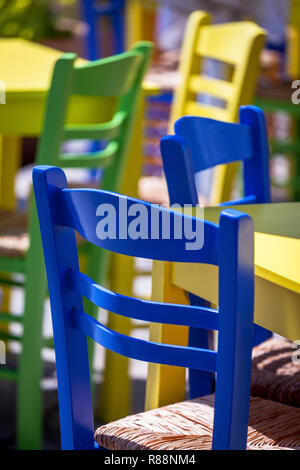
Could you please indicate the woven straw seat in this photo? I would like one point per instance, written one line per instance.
(14, 240)
(275, 376)
(188, 425)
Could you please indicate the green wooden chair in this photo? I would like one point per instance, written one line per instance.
(117, 82)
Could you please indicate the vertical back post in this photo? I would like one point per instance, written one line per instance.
(256, 169)
(56, 110)
(60, 251)
(236, 304)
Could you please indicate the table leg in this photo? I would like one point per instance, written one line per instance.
(166, 384)
(10, 155)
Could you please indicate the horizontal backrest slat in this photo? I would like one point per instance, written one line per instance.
(213, 143)
(144, 350)
(106, 130)
(113, 76)
(136, 228)
(211, 86)
(226, 42)
(195, 108)
(172, 314)
(93, 159)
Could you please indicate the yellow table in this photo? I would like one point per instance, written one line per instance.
(26, 70)
(277, 288)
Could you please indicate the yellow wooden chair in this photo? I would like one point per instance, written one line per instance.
(202, 40)
(293, 41)
(237, 44)
(223, 44)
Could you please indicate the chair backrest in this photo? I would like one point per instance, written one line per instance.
(93, 13)
(222, 43)
(202, 143)
(107, 220)
(116, 83)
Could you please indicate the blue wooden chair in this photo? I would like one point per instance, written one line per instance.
(97, 216)
(202, 143)
(93, 13)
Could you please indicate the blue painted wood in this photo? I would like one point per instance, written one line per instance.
(85, 209)
(92, 15)
(201, 143)
(256, 169)
(60, 253)
(140, 309)
(60, 210)
(208, 141)
(236, 305)
(142, 350)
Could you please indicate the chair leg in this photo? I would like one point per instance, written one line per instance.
(29, 398)
(29, 407)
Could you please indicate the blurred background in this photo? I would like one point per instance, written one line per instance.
(61, 24)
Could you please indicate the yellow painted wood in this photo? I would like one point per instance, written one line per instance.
(10, 156)
(277, 284)
(293, 42)
(276, 260)
(280, 219)
(277, 308)
(209, 85)
(293, 56)
(115, 388)
(139, 20)
(221, 42)
(277, 243)
(165, 384)
(277, 267)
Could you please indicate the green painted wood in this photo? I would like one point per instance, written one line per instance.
(12, 265)
(10, 282)
(8, 374)
(8, 317)
(290, 146)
